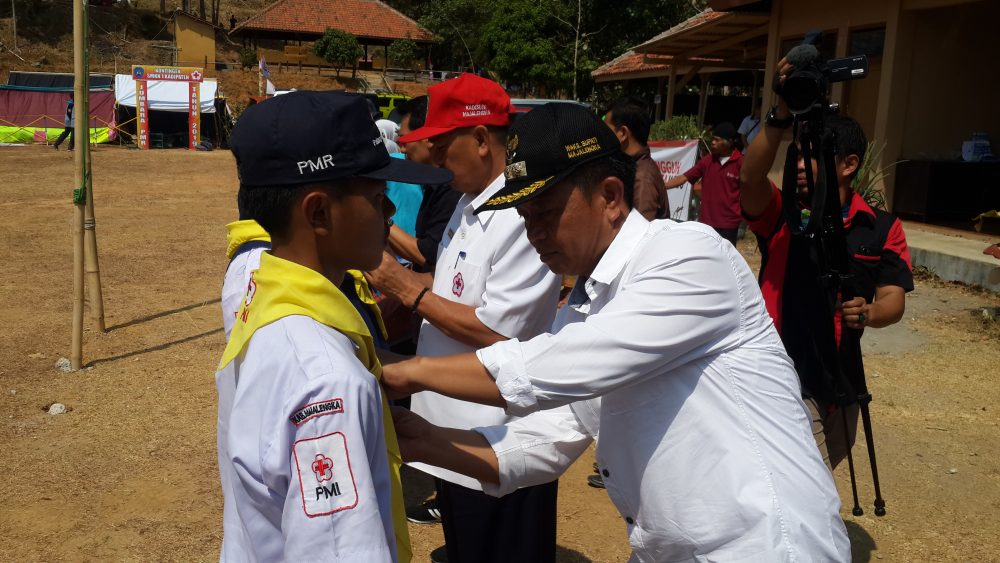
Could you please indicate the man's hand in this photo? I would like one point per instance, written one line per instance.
(396, 380)
(412, 431)
(463, 451)
(855, 313)
(395, 280)
(886, 309)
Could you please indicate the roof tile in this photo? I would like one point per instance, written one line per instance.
(361, 18)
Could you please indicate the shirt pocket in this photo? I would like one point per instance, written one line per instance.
(466, 283)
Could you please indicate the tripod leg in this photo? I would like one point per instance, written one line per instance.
(866, 420)
(850, 466)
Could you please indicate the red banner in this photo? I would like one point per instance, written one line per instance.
(141, 115)
(194, 115)
(674, 158)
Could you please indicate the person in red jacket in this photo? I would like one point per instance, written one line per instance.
(719, 173)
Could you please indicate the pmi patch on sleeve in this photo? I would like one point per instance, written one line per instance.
(325, 474)
(312, 410)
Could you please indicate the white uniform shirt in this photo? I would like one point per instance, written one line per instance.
(705, 448)
(234, 286)
(484, 261)
(302, 452)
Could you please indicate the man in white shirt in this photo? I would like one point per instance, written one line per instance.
(489, 285)
(705, 445)
(308, 457)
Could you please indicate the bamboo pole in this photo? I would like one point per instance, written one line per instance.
(91, 261)
(81, 137)
(92, 267)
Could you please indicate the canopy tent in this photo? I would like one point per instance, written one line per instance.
(33, 106)
(164, 95)
(168, 110)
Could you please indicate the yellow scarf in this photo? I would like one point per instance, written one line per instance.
(281, 288)
(239, 233)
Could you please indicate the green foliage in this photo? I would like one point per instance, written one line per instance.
(248, 57)
(867, 181)
(677, 128)
(403, 53)
(531, 42)
(526, 46)
(339, 48)
(457, 24)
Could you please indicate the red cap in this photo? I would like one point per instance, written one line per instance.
(465, 101)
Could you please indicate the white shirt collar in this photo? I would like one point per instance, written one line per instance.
(495, 186)
(611, 263)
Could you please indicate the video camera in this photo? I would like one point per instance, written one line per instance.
(808, 85)
(806, 93)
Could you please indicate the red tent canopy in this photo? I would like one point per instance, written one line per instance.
(26, 108)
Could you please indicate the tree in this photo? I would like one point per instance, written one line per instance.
(403, 53)
(528, 47)
(338, 48)
(457, 23)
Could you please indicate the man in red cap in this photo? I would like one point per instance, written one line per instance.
(488, 285)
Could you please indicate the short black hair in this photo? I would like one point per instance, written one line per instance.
(850, 138)
(416, 108)
(618, 165)
(634, 114)
(271, 206)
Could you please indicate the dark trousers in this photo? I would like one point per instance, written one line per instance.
(728, 234)
(67, 132)
(518, 527)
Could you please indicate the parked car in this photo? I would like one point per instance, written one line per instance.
(524, 105)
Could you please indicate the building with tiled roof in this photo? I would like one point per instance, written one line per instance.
(371, 21)
(630, 65)
(924, 94)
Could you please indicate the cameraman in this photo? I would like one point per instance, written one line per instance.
(789, 276)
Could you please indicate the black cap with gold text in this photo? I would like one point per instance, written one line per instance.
(546, 145)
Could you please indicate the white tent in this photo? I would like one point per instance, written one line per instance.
(164, 95)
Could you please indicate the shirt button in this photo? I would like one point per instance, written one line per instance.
(606, 473)
(629, 520)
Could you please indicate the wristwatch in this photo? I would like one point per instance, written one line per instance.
(772, 119)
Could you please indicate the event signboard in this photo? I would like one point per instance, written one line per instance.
(169, 73)
(194, 115)
(142, 114)
(192, 75)
(673, 158)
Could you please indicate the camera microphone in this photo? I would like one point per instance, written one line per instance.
(802, 55)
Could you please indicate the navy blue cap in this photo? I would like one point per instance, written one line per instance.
(545, 146)
(310, 137)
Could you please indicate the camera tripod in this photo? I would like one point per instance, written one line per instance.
(825, 230)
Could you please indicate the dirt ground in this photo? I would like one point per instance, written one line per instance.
(129, 472)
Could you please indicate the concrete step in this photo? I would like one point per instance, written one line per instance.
(954, 255)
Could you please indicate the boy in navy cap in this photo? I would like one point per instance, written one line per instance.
(307, 453)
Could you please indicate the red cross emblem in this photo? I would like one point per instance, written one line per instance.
(323, 468)
(248, 298)
(458, 285)
(196, 76)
